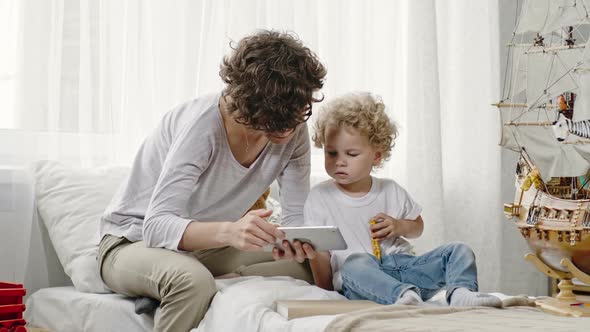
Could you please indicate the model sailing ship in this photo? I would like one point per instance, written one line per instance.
(545, 113)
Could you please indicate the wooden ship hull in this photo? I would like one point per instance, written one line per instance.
(553, 217)
(552, 246)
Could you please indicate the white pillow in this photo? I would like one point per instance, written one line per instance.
(71, 201)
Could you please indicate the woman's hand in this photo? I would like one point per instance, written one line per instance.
(252, 231)
(299, 251)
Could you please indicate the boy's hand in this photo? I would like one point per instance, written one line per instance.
(299, 251)
(385, 227)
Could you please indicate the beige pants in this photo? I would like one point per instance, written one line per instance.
(183, 282)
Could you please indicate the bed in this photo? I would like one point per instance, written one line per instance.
(248, 300)
(66, 293)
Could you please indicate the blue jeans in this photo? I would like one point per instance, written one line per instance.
(451, 265)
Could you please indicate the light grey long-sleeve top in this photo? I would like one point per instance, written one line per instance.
(185, 171)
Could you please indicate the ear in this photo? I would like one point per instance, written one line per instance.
(377, 158)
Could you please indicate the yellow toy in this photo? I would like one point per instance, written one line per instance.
(375, 243)
(261, 201)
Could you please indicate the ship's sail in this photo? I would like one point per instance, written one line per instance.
(548, 75)
(547, 16)
(532, 130)
(582, 77)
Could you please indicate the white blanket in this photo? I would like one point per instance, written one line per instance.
(248, 304)
(453, 319)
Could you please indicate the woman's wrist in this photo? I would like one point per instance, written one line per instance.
(224, 233)
(206, 235)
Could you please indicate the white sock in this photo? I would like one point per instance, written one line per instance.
(410, 297)
(463, 297)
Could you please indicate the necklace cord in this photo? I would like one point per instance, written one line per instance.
(247, 143)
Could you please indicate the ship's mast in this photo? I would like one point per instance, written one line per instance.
(539, 40)
(570, 41)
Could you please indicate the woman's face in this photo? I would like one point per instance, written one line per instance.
(285, 136)
(280, 138)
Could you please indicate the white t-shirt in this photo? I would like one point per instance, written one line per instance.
(328, 205)
(185, 171)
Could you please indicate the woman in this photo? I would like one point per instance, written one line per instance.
(181, 218)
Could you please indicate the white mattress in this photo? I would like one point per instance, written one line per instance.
(64, 309)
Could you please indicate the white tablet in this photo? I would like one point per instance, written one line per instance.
(320, 237)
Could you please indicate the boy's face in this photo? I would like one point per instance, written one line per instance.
(349, 157)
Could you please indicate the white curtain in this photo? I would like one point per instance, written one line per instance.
(94, 77)
(475, 183)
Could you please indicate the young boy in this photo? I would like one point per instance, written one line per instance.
(357, 136)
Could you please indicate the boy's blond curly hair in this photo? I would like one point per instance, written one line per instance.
(361, 111)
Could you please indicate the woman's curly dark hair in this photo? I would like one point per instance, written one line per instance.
(271, 78)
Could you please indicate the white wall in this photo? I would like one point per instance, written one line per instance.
(26, 253)
(16, 213)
